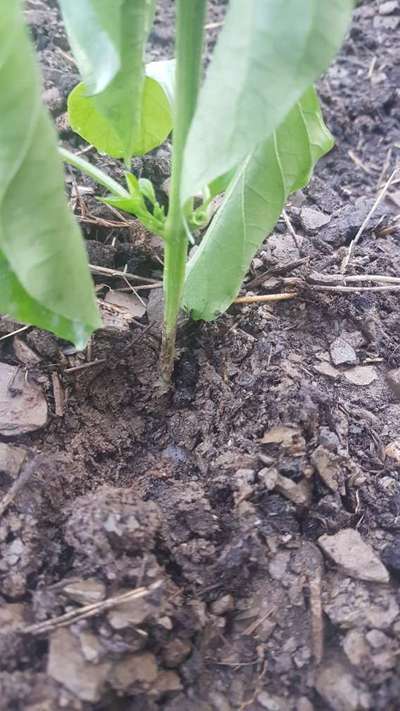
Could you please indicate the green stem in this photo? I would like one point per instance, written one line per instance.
(95, 173)
(190, 17)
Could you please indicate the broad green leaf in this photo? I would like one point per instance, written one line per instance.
(119, 104)
(94, 32)
(220, 184)
(44, 278)
(163, 71)
(267, 54)
(251, 207)
(154, 127)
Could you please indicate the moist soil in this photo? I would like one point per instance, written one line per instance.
(256, 508)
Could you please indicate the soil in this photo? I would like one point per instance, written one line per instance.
(282, 429)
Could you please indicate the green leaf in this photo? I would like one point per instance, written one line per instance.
(94, 127)
(163, 72)
(220, 184)
(94, 32)
(119, 104)
(266, 56)
(44, 277)
(251, 207)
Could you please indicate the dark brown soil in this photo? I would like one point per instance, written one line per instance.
(214, 499)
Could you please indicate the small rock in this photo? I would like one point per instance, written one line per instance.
(389, 7)
(11, 459)
(11, 616)
(286, 436)
(166, 682)
(304, 704)
(337, 687)
(361, 375)
(356, 558)
(386, 23)
(175, 652)
(278, 565)
(268, 477)
(114, 320)
(329, 468)
(393, 380)
(280, 435)
(23, 406)
(329, 439)
(392, 450)
(85, 591)
(284, 247)
(67, 665)
(24, 353)
(244, 477)
(355, 647)
(131, 613)
(328, 370)
(91, 647)
(137, 672)
(342, 353)
(351, 603)
(223, 605)
(377, 639)
(272, 702)
(391, 555)
(53, 99)
(129, 303)
(312, 220)
(299, 493)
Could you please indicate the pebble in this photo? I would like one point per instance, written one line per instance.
(355, 647)
(312, 220)
(329, 467)
(299, 493)
(386, 23)
(389, 7)
(328, 370)
(338, 688)
(11, 459)
(176, 651)
(129, 303)
(361, 375)
(393, 380)
(167, 682)
(268, 477)
(391, 555)
(131, 613)
(272, 702)
(223, 605)
(377, 639)
(137, 669)
(392, 450)
(67, 665)
(355, 557)
(342, 353)
(352, 603)
(11, 616)
(24, 353)
(278, 565)
(23, 406)
(85, 592)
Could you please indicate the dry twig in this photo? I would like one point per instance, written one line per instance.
(87, 611)
(367, 219)
(262, 298)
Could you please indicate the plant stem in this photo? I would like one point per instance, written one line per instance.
(190, 18)
(95, 173)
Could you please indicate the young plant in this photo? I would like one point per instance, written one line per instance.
(254, 129)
